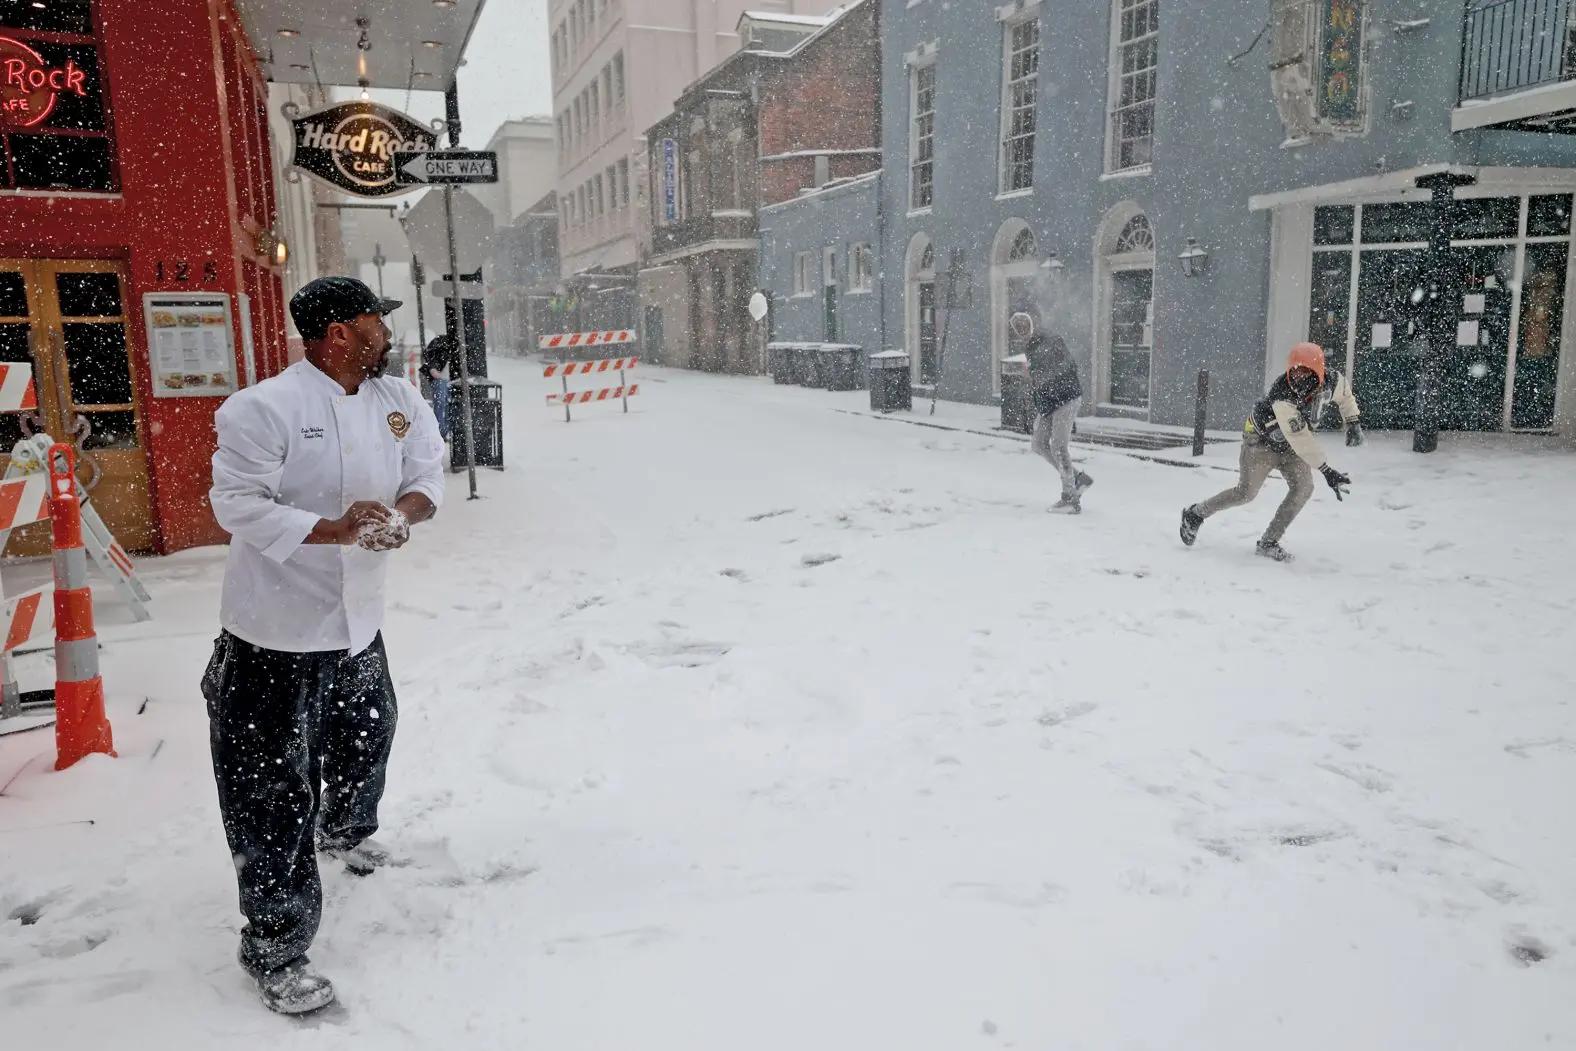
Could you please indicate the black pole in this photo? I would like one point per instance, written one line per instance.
(1439, 309)
(451, 112)
(1201, 412)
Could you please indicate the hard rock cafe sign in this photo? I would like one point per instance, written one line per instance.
(355, 146)
(29, 86)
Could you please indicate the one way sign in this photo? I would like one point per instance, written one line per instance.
(448, 167)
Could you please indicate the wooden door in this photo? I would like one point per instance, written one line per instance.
(74, 334)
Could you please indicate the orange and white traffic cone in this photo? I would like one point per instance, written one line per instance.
(81, 726)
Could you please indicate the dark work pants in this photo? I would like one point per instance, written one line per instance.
(280, 726)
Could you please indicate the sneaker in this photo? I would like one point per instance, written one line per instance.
(294, 989)
(1270, 549)
(1067, 505)
(1191, 520)
(1084, 482)
(360, 859)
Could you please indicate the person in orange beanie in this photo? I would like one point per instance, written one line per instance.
(1278, 436)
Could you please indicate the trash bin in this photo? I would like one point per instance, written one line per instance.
(838, 366)
(1016, 412)
(807, 360)
(779, 362)
(891, 386)
(486, 422)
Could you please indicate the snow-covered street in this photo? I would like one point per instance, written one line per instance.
(749, 722)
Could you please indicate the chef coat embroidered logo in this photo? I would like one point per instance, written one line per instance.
(399, 423)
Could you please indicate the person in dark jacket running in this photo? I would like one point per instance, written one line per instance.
(1278, 435)
(1057, 395)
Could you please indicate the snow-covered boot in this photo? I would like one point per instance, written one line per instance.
(1067, 505)
(360, 859)
(1272, 550)
(1084, 482)
(294, 989)
(1191, 520)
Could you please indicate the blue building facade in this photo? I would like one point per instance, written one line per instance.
(1174, 187)
(818, 260)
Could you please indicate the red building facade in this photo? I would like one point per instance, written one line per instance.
(134, 159)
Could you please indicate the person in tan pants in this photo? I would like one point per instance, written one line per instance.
(1278, 436)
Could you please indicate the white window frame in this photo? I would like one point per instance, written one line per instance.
(801, 274)
(918, 69)
(861, 268)
(1012, 107)
(1115, 110)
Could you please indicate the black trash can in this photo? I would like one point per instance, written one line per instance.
(486, 422)
(779, 362)
(810, 365)
(839, 366)
(891, 386)
(795, 368)
(1017, 414)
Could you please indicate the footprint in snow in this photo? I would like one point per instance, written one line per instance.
(811, 561)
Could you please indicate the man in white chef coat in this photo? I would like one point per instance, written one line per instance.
(319, 474)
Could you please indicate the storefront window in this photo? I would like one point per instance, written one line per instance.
(1331, 304)
(1334, 224)
(1487, 218)
(54, 121)
(1399, 223)
(1549, 215)
(1538, 349)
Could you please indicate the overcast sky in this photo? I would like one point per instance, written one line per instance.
(506, 73)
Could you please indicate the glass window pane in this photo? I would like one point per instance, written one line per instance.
(1538, 350)
(57, 16)
(1485, 217)
(116, 429)
(13, 294)
(1396, 223)
(1549, 215)
(78, 112)
(14, 343)
(96, 358)
(1334, 224)
(66, 162)
(88, 294)
(1330, 306)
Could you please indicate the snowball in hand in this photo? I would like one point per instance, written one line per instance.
(383, 536)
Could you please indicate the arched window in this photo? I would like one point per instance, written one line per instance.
(1136, 236)
(1022, 247)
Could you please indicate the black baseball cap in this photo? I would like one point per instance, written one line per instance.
(329, 300)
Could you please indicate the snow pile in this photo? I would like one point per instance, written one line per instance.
(796, 728)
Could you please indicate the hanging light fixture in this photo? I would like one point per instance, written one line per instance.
(1194, 258)
(365, 84)
(1053, 265)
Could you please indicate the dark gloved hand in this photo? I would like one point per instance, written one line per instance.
(1354, 434)
(1337, 480)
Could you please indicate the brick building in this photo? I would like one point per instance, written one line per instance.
(794, 109)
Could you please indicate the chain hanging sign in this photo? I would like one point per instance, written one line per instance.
(358, 147)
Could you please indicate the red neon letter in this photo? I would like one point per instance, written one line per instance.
(15, 72)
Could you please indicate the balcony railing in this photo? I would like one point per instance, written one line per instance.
(688, 233)
(1515, 45)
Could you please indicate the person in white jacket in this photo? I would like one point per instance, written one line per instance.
(1278, 435)
(319, 473)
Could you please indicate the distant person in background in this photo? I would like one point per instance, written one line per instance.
(436, 361)
(1057, 395)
